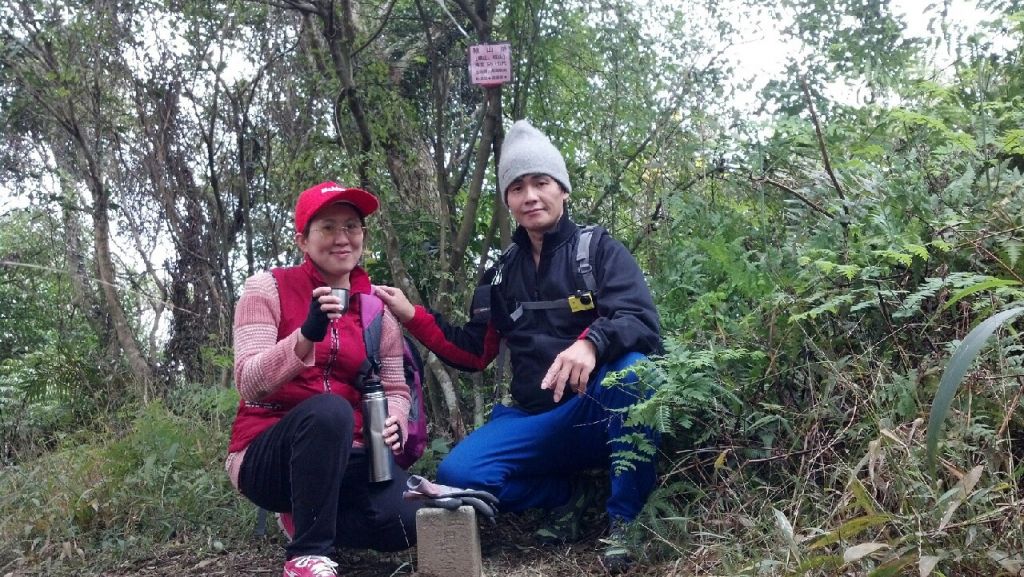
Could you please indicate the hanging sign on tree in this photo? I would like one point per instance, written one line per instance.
(490, 65)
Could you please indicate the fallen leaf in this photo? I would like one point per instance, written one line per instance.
(859, 551)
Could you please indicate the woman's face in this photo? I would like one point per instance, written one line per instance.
(334, 241)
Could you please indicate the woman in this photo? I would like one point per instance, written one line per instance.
(297, 440)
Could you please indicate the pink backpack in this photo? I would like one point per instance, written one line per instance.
(371, 313)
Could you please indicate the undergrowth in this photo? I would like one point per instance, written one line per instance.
(102, 499)
(821, 468)
(803, 355)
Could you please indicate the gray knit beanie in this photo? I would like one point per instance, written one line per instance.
(527, 151)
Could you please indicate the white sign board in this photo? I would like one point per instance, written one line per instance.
(490, 64)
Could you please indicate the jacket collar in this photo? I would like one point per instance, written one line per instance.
(358, 279)
(554, 238)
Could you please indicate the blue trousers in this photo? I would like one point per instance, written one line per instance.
(529, 460)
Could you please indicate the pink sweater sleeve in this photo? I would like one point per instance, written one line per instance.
(392, 375)
(262, 363)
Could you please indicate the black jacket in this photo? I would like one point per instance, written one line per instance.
(624, 319)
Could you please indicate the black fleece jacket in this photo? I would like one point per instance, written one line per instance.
(624, 319)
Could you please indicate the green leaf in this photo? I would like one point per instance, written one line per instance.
(1013, 250)
(848, 270)
(849, 529)
(819, 562)
(1013, 141)
(955, 371)
(894, 567)
(917, 250)
(982, 286)
(860, 495)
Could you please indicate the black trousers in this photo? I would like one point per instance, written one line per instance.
(305, 464)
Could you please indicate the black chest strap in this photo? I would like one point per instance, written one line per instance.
(585, 296)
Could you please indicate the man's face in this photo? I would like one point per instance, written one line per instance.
(536, 202)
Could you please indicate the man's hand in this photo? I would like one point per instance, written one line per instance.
(396, 300)
(573, 367)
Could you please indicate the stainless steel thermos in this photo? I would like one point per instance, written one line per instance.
(375, 411)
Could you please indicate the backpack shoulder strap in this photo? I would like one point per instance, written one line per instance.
(586, 247)
(506, 257)
(371, 316)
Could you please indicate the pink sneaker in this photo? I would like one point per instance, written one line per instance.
(310, 566)
(287, 525)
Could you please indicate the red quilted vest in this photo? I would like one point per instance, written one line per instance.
(338, 356)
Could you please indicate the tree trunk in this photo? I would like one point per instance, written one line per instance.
(108, 285)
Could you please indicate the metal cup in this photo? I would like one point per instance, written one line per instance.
(341, 293)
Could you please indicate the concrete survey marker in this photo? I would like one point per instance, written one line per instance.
(448, 543)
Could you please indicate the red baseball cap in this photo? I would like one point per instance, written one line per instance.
(313, 199)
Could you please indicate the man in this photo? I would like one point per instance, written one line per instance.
(564, 420)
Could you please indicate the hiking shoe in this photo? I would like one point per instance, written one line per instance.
(565, 523)
(310, 566)
(616, 557)
(287, 525)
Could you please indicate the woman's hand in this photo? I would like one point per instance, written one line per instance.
(314, 328)
(397, 302)
(393, 434)
(323, 308)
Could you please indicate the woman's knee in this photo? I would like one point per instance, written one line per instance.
(326, 414)
(393, 527)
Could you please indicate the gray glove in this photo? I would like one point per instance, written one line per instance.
(451, 498)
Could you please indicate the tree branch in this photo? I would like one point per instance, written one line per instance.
(824, 151)
(483, 29)
(383, 23)
(793, 192)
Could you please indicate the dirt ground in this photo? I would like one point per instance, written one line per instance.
(508, 550)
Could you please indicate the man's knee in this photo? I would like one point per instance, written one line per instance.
(453, 472)
(626, 379)
(626, 361)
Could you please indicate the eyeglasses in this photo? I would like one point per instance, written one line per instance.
(333, 230)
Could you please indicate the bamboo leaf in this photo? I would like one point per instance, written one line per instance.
(863, 550)
(1012, 564)
(966, 486)
(860, 494)
(894, 567)
(954, 373)
(785, 527)
(927, 564)
(849, 529)
(971, 480)
(982, 286)
(819, 562)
